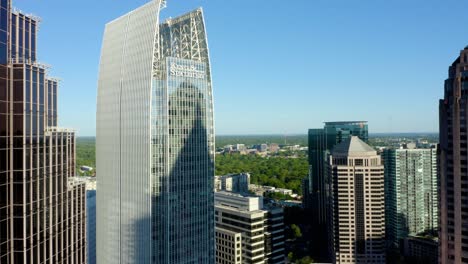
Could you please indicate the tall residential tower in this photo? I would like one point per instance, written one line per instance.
(155, 140)
(42, 207)
(453, 114)
(410, 193)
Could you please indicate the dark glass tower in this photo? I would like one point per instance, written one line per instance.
(453, 162)
(321, 142)
(42, 216)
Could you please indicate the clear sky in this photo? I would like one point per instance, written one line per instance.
(281, 66)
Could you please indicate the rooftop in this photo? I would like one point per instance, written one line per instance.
(353, 146)
(345, 122)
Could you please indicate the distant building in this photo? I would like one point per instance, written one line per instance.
(240, 147)
(453, 164)
(410, 192)
(274, 147)
(321, 142)
(279, 190)
(421, 250)
(357, 215)
(238, 183)
(261, 147)
(228, 148)
(244, 226)
(86, 168)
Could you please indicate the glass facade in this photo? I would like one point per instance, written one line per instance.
(155, 141)
(410, 193)
(453, 164)
(41, 208)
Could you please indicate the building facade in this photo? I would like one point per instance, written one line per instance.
(453, 109)
(91, 220)
(321, 142)
(238, 183)
(357, 232)
(410, 193)
(155, 140)
(421, 250)
(42, 207)
(261, 230)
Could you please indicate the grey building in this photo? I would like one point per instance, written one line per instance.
(453, 163)
(42, 206)
(155, 140)
(410, 193)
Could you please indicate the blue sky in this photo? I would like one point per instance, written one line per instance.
(281, 66)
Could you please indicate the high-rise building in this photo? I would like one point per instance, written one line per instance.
(410, 193)
(42, 207)
(453, 164)
(247, 231)
(155, 140)
(321, 142)
(357, 209)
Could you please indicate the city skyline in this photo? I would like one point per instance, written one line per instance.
(325, 35)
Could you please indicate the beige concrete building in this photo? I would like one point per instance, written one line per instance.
(356, 202)
(246, 231)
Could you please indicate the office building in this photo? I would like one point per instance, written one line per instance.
(357, 214)
(42, 206)
(238, 183)
(247, 231)
(321, 142)
(155, 140)
(410, 193)
(453, 164)
(421, 250)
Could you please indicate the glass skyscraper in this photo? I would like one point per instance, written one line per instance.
(42, 207)
(410, 193)
(453, 164)
(321, 142)
(155, 140)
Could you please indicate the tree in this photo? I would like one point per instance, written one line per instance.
(290, 256)
(296, 231)
(305, 260)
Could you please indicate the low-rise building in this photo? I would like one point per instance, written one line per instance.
(421, 249)
(238, 183)
(261, 230)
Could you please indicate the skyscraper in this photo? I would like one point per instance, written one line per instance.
(321, 142)
(42, 207)
(453, 162)
(410, 193)
(155, 140)
(356, 201)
